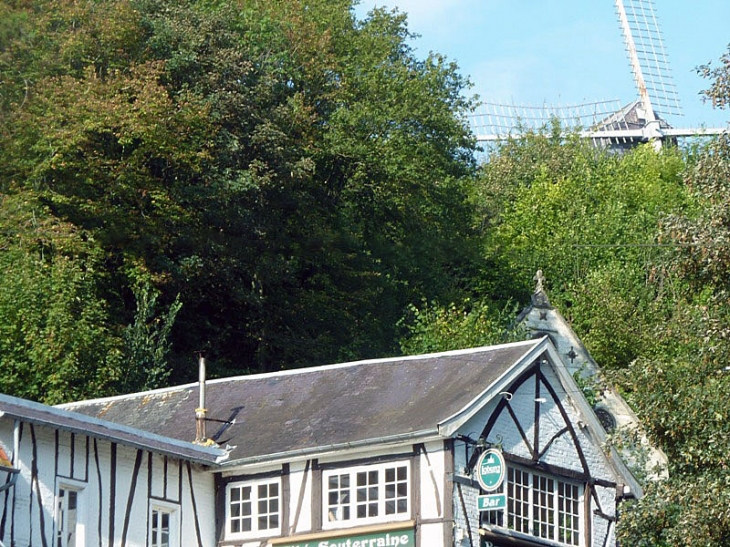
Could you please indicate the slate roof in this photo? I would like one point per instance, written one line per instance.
(315, 409)
(37, 413)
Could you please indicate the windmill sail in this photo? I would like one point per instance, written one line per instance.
(648, 58)
(607, 123)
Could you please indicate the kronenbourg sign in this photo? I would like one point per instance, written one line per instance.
(490, 469)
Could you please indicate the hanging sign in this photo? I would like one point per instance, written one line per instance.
(490, 502)
(490, 469)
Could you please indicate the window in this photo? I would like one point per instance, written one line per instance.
(67, 521)
(372, 493)
(253, 508)
(164, 525)
(541, 506)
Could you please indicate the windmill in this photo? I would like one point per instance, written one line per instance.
(607, 123)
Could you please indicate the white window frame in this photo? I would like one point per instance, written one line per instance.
(172, 510)
(61, 512)
(523, 515)
(366, 494)
(244, 502)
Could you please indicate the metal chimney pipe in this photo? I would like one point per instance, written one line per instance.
(200, 435)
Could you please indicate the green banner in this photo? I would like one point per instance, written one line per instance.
(394, 538)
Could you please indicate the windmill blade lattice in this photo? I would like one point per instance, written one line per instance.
(608, 123)
(648, 56)
(599, 120)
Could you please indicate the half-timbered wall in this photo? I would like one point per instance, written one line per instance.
(541, 433)
(115, 487)
(303, 491)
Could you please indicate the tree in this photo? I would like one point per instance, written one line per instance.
(681, 387)
(719, 91)
(432, 328)
(55, 338)
(294, 176)
(590, 220)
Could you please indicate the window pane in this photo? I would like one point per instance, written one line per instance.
(543, 507)
(66, 517)
(266, 506)
(378, 491)
(339, 496)
(568, 513)
(518, 496)
(161, 524)
(367, 494)
(240, 509)
(396, 489)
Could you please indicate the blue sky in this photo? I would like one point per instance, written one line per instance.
(566, 51)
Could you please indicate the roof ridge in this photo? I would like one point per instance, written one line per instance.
(296, 371)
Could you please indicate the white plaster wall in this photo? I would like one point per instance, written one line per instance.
(432, 471)
(298, 480)
(22, 510)
(561, 452)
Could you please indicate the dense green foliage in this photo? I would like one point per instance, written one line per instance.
(680, 388)
(283, 178)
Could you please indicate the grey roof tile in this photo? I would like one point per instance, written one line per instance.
(311, 409)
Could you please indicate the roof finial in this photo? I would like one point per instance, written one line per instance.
(539, 278)
(539, 298)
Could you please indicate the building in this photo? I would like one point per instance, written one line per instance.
(373, 453)
(70, 480)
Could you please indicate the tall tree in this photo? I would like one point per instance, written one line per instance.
(296, 176)
(680, 387)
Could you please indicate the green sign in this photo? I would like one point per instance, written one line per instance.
(490, 502)
(395, 538)
(490, 469)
